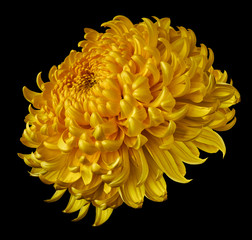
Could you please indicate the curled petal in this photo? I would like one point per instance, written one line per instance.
(184, 133)
(33, 97)
(30, 159)
(86, 147)
(135, 127)
(180, 150)
(152, 30)
(66, 145)
(56, 196)
(164, 160)
(167, 73)
(30, 95)
(39, 81)
(210, 141)
(156, 189)
(121, 171)
(143, 94)
(74, 204)
(131, 193)
(102, 216)
(112, 145)
(82, 213)
(141, 165)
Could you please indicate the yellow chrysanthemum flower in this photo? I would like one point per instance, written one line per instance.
(137, 102)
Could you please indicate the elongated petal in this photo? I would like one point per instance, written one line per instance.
(82, 213)
(131, 194)
(155, 185)
(30, 95)
(181, 150)
(167, 72)
(102, 216)
(184, 133)
(56, 196)
(74, 204)
(209, 140)
(164, 160)
(141, 165)
(119, 175)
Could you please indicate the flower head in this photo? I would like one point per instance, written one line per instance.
(137, 102)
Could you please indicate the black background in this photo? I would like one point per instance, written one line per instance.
(215, 203)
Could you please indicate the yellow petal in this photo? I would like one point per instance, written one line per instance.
(162, 96)
(74, 204)
(130, 192)
(180, 150)
(154, 52)
(140, 141)
(66, 145)
(177, 114)
(87, 147)
(163, 130)
(82, 213)
(39, 81)
(210, 141)
(98, 133)
(141, 165)
(155, 185)
(126, 108)
(156, 116)
(102, 216)
(181, 47)
(119, 175)
(126, 22)
(155, 189)
(95, 119)
(67, 176)
(30, 159)
(135, 127)
(142, 94)
(184, 133)
(53, 164)
(30, 95)
(140, 61)
(76, 115)
(164, 160)
(33, 97)
(200, 111)
(180, 86)
(167, 73)
(152, 32)
(113, 145)
(56, 196)
(86, 173)
(165, 56)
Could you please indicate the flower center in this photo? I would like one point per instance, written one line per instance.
(86, 81)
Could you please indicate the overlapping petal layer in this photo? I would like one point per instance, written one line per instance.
(137, 102)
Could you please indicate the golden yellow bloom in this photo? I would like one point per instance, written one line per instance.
(137, 102)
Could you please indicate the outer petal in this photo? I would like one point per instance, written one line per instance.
(210, 141)
(180, 150)
(164, 160)
(141, 165)
(56, 196)
(82, 213)
(130, 192)
(155, 185)
(102, 216)
(74, 204)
